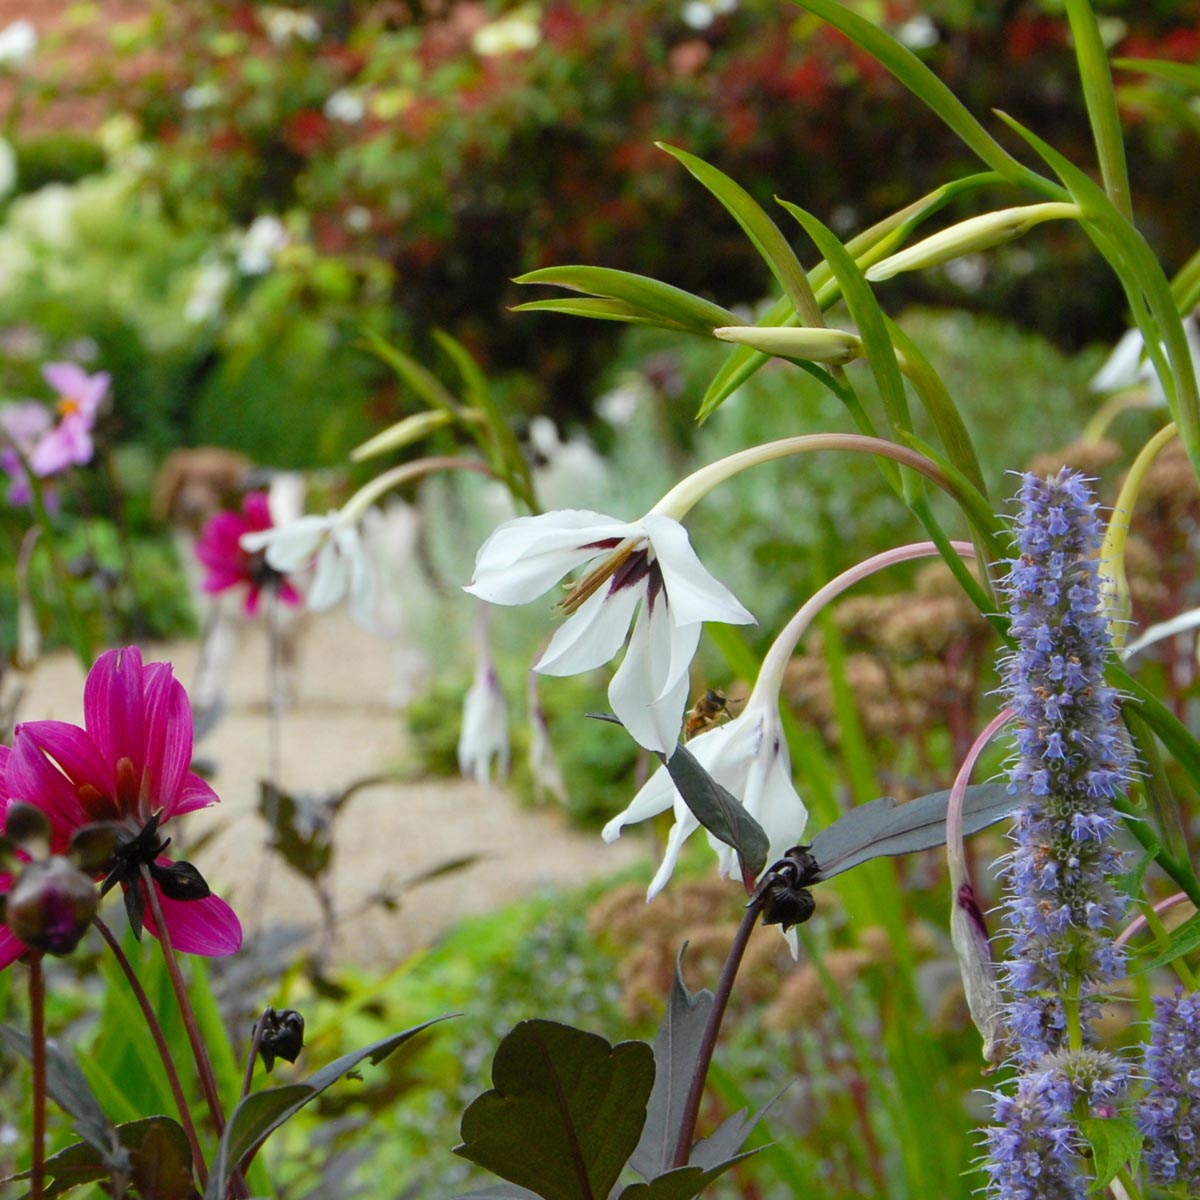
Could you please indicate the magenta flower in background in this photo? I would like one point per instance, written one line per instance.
(130, 765)
(69, 443)
(228, 565)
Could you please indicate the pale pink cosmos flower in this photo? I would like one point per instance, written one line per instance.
(22, 423)
(69, 443)
(130, 765)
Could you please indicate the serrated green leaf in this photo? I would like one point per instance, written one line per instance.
(1115, 1141)
(565, 1111)
(923, 83)
(683, 1183)
(651, 296)
(261, 1113)
(760, 229)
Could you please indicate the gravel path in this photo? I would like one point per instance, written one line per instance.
(340, 730)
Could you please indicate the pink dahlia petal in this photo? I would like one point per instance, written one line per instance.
(114, 708)
(209, 926)
(34, 778)
(195, 793)
(218, 544)
(221, 580)
(288, 594)
(168, 719)
(257, 511)
(10, 948)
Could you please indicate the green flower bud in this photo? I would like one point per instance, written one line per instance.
(834, 346)
(970, 236)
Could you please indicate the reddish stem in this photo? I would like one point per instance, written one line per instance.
(37, 1031)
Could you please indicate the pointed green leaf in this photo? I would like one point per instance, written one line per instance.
(923, 83)
(760, 229)
(603, 310)
(1140, 275)
(866, 313)
(676, 1053)
(1182, 940)
(1115, 1142)
(649, 295)
(565, 1111)
(261, 1113)
(423, 382)
(1174, 72)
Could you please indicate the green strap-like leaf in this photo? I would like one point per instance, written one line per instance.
(925, 85)
(602, 310)
(423, 382)
(651, 296)
(760, 229)
(1173, 72)
(1181, 941)
(866, 313)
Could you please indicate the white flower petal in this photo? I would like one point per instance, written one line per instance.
(771, 797)
(484, 736)
(526, 556)
(649, 708)
(1121, 368)
(590, 636)
(330, 580)
(685, 825)
(693, 594)
(290, 548)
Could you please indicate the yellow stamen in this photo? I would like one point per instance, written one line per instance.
(599, 575)
(68, 407)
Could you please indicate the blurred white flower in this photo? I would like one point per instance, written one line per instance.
(200, 96)
(918, 32)
(1128, 366)
(18, 40)
(748, 757)
(645, 567)
(260, 244)
(8, 167)
(548, 782)
(700, 14)
(515, 31)
(285, 25)
(567, 471)
(333, 548)
(347, 105)
(484, 737)
(620, 406)
(210, 286)
(47, 215)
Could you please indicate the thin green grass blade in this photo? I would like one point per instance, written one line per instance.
(1101, 102)
(1185, 287)
(1173, 72)
(423, 382)
(926, 86)
(760, 229)
(652, 296)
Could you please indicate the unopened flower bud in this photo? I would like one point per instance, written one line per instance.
(834, 346)
(50, 905)
(968, 933)
(280, 1035)
(970, 237)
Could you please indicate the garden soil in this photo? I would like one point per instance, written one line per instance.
(388, 835)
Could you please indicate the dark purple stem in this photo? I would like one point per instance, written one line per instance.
(255, 1043)
(37, 1032)
(164, 1051)
(691, 1108)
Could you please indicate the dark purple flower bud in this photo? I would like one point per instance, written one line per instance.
(50, 905)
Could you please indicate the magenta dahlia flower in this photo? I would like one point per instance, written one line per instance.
(128, 765)
(228, 565)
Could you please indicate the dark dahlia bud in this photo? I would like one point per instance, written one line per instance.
(1169, 1114)
(280, 1035)
(50, 905)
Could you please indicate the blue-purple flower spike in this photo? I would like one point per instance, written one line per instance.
(1169, 1115)
(1072, 760)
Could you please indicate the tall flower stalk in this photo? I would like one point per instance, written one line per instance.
(1072, 762)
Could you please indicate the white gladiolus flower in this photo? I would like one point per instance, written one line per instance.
(1128, 365)
(645, 567)
(333, 547)
(260, 245)
(484, 736)
(347, 105)
(748, 756)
